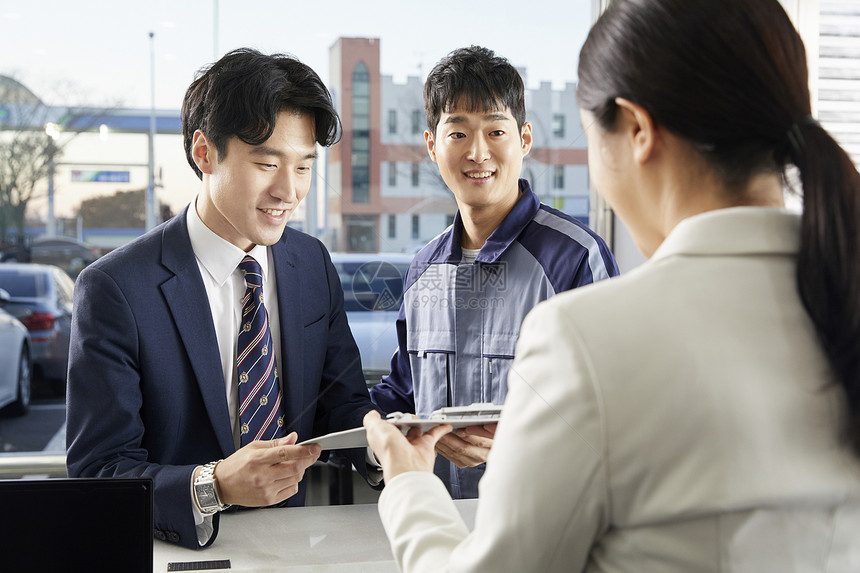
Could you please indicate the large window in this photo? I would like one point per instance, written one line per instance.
(392, 121)
(360, 134)
(558, 177)
(417, 118)
(558, 125)
(94, 194)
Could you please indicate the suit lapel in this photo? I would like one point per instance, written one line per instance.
(290, 291)
(187, 300)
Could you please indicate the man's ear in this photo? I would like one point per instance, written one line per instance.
(638, 125)
(431, 145)
(526, 137)
(203, 152)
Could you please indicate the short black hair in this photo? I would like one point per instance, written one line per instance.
(476, 79)
(242, 94)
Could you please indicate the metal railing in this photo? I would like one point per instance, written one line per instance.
(30, 464)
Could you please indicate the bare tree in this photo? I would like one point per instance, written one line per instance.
(25, 153)
(31, 142)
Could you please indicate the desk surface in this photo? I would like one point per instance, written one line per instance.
(344, 538)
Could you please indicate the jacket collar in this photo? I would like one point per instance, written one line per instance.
(450, 250)
(734, 231)
(217, 255)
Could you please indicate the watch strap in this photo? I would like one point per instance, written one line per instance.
(206, 477)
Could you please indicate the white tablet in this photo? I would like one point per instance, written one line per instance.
(457, 416)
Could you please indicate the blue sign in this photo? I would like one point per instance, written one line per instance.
(83, 176)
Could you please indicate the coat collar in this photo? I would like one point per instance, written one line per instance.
(450, 249)
(217, 255)
(734, 231)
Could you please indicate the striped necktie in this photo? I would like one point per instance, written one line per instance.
(260, 411)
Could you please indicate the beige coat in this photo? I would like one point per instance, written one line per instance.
(679, 418)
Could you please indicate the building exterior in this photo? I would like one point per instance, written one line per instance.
(383, 192)
(838, 89)
(376, 190)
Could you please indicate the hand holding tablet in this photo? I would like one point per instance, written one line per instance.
(457, 416)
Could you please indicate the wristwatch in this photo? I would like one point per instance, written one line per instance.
(205, 491)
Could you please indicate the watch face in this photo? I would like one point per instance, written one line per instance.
(206, 495)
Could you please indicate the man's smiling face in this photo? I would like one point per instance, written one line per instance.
(480, 155)
(250, 193)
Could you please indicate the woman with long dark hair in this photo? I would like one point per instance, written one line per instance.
(702, 412)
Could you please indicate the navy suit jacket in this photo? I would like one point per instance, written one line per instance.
(146, 393)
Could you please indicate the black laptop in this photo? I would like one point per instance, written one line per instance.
(88, 525)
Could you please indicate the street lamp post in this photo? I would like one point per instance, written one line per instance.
(51, 149)
(150, 189)
(215, 31)
(51, 229)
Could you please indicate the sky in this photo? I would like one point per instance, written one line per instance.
(98, 52)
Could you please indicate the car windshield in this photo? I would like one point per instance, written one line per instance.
(24, 285)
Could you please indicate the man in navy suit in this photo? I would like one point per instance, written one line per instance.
(152, 387)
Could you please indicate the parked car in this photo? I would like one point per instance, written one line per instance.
(15, 362)
(41, 296)
(373, 290)
(69, 254)
(18, 251)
